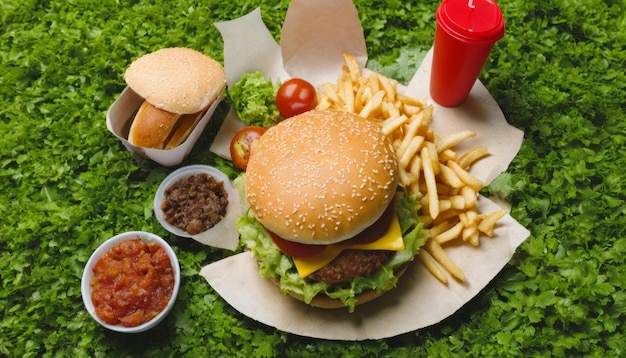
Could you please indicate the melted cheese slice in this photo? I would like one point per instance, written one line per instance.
(390, 241)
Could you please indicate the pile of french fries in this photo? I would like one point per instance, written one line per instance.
(429, 165)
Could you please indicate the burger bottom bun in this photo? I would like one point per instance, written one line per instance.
(323, 301)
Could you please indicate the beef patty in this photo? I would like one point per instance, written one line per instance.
(350, 264)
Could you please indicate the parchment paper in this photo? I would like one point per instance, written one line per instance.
(224, 235)
(419, 300)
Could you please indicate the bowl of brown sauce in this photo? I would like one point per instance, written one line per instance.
(131, 282)
(192, 200)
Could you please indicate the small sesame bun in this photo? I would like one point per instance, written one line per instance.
(178, 85)
(178, 80)
(321, 177)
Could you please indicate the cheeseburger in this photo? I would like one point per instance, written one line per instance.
(178, 85)
(327, 222)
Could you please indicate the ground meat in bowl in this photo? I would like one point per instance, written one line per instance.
(195, 203)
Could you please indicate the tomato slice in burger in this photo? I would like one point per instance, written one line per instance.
(295, 96)
(241, 144)
(375, 231)
(296, 249)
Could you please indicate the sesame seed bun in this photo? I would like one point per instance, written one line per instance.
(178, 80)
(321, 177)
(178, 85)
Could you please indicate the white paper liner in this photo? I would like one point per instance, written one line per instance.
(119, 117)
(419, 300)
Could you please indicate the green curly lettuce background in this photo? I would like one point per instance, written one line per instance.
(67, 184)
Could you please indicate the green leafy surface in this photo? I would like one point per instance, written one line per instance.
(67, 184)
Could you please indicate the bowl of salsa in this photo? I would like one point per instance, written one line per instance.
(131, 282)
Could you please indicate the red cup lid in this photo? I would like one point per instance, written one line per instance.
(474, 21)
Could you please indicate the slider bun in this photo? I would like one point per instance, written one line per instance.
(178, 80)
(321, 177)
(178, 85)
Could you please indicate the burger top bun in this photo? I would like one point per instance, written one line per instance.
(178, 80)
(321, 177)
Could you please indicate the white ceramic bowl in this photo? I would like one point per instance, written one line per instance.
(183, 173)
(105, 247)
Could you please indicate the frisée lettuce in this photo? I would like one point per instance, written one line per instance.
(273, 264)
(254, 99)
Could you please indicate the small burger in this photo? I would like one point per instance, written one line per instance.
(178, 85)
(327, 221)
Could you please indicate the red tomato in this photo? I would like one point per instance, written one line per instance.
(296, 249)
(375, 231)
(295, 96)
(242, 142)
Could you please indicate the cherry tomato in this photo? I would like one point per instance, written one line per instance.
(242, 142)
(295, 96)
(296, 249)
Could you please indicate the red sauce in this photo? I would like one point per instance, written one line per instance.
(132, 283)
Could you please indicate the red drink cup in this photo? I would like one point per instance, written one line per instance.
(466, 31)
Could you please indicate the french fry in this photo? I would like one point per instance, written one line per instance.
(434, 157)
(457, 201)
(468, 232)
(389, 87)
(415, 166)
(431, 266)
(469, 195)
(372, 105)
(444, 204)
(393, 123)
(407, 178)
(429, 166)
(411, 110)
(487, 225)
(410, 101)
(442, 227)
(471, 235)
(450, 234)
(437, 252)
(449, 177)
(471, 156)
(392, 111)
(414, 146)
(446, 155)
(465, 176)
(469, 218)
(445, 189)
(453, 139)
(411, 131)
(431, 185)
(353, 66)
(329, 92)
(452, 213)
